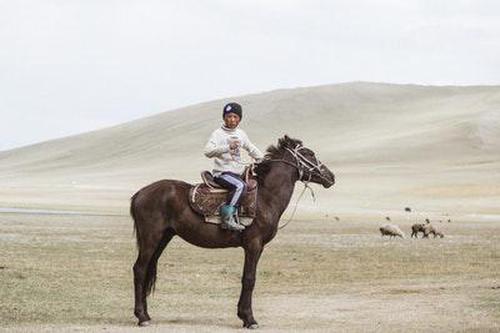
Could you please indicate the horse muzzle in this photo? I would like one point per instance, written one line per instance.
(328, 180)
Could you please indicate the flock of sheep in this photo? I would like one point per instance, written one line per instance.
(426, 229)
(393, 230)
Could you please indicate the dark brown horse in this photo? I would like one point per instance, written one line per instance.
(161, 211)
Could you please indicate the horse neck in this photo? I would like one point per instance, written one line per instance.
(277, 188)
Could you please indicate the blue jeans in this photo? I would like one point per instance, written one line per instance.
(234, 184)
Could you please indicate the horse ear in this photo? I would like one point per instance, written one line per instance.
(285, 141)
(281, 142)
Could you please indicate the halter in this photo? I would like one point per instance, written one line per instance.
(303, 164)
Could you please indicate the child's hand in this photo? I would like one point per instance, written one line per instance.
(234, 145)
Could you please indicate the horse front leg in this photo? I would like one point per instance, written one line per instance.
(245, 313)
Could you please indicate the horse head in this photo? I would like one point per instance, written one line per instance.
(309, 167)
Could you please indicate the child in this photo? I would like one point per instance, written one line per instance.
(224, 146)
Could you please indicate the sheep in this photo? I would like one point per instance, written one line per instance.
(416, 228)
(391, 230)
(430, 229)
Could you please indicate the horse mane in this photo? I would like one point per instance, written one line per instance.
(274, 152)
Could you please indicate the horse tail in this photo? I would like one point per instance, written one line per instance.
(150, 277)
(133, 213)
(142, 244)
(150, 281)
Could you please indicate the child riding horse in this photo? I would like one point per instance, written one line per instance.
(224, 147)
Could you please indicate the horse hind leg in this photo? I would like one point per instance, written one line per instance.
(145, 271)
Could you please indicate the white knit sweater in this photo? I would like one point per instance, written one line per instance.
(217, 148)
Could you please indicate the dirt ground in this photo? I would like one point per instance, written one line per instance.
(73, 273)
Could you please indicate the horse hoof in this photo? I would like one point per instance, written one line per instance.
(144, 323)
(253, 326)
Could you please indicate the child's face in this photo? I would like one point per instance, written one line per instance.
(231, 120)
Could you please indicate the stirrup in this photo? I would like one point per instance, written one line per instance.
(229, 223)
(236, 227)
(232, 225)
(227, 214)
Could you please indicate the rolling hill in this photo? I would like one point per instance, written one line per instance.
(434, 148)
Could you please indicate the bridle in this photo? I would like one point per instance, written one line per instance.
(304, 166)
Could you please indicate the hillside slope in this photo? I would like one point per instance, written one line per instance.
(396, 140)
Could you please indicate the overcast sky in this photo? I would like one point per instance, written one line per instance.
(72, 66)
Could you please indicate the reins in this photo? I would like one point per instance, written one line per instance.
(306, 186)
(302, 163)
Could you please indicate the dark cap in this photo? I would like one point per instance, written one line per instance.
(232, 108)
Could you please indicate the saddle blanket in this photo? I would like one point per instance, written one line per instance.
(207, 201)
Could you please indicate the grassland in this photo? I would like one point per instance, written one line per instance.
(73, 273)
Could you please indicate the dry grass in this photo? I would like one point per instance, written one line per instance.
(74, 272)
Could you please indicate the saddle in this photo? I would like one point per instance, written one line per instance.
(206, 198)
